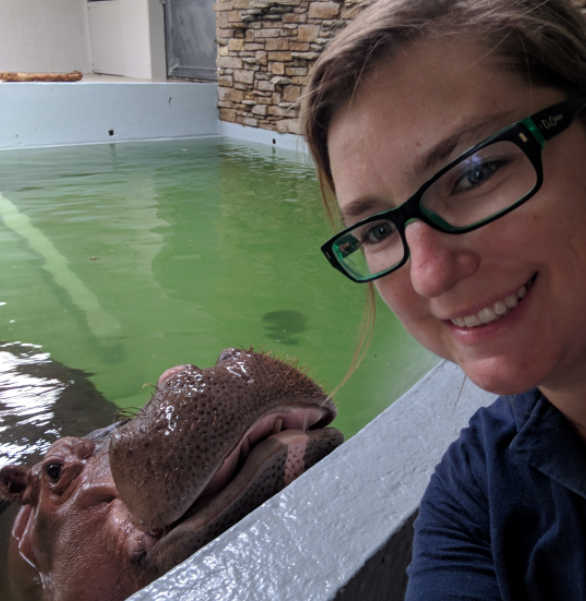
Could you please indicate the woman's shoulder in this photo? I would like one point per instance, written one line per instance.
(453, 543)
(505, 506)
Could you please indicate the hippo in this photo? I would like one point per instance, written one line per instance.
(103, 515)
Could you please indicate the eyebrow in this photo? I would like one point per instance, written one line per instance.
(466, 135)
(359, 208)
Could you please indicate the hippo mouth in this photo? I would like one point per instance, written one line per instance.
(276, 450)
(285, 437)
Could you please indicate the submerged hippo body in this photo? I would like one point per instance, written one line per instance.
(102, 516)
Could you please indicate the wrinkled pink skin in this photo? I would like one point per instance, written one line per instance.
(58, 523)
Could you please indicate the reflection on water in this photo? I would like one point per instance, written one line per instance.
(123, 260)
(99, 322)
(282, 325)
(42, 400)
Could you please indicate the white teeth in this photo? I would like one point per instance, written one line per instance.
(487, 315)
(471, 321)
(512, 301)
(494, 313)
(500, 308)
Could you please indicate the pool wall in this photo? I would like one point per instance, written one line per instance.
(96, 112)
(262, 136)
(102, 110)
(343, 530)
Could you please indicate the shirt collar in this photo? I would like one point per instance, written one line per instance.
(547, 441)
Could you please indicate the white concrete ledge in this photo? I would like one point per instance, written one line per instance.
(343, 530)
(95, 112)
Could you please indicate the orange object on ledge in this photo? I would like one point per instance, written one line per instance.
(12, 76)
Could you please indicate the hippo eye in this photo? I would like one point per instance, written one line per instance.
(53, 471)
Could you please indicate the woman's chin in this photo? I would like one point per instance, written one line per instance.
(504, 380)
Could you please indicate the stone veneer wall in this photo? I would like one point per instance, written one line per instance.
(265, 51)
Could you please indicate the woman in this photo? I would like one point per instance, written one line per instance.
(451, 134)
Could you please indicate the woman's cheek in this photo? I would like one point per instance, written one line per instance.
(397, 292)
(413, 312)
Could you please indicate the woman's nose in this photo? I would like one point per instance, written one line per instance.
(437, 260)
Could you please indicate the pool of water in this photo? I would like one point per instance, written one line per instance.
(123, 260)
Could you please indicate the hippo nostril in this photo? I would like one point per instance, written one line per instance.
(227, 353)
(169, 373)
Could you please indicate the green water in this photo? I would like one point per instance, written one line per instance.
(123, 260)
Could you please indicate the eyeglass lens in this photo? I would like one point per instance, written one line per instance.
(473, 190)
(481, 185)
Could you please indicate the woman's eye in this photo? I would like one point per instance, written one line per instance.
(53, 471)
(378, 232)
(475, 174)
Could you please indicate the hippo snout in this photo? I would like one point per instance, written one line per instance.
(205, 431)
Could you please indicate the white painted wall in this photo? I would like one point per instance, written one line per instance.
(106, 41)
(86, 112)
(127, 37)
(157, 39)
(121, 37)
(143, 31)
(42, 36)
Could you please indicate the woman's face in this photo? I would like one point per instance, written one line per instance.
(410, 117)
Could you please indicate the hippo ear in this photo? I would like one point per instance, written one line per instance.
(13, 483)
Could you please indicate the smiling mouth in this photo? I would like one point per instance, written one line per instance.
(496, 311)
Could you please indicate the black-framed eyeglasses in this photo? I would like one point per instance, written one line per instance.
(484, 183)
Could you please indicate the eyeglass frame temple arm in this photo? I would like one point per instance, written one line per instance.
(553, 120)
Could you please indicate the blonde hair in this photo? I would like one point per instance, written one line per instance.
(543, 41)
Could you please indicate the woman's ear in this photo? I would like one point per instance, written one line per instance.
(13, 483)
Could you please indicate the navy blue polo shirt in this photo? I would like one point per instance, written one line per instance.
(504, 515)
